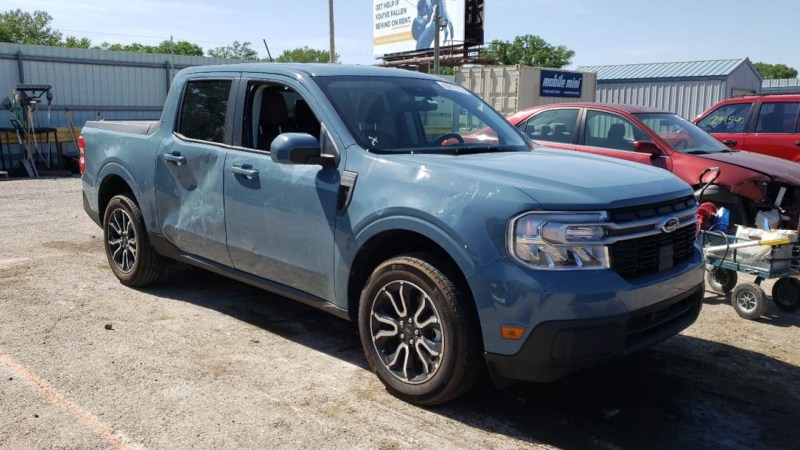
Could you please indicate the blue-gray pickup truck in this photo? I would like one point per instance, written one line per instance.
(406, 204)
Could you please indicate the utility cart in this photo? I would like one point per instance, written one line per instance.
(726, 256)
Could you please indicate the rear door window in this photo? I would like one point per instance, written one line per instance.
(730, 118)
(555, 125)
(777, 117)
(204, 110)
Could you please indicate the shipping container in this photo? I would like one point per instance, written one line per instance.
(513, 88)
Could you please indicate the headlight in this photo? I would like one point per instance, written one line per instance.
(557, 241)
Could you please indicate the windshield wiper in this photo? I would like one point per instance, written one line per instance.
(471, 150)
(697, 152)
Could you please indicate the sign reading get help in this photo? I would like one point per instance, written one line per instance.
(401, 26)
(560, 84)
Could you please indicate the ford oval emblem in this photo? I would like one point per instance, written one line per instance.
(670, 225)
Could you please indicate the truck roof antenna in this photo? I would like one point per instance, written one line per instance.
(268, 53)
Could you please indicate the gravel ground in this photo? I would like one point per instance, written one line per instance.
(199, 361)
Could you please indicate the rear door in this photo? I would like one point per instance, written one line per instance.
(728, 123)
(190, 167)
(280, 218)
(554, 128)
(776, 130)
(609, 134)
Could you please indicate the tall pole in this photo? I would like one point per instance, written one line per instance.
(330, 20)
(436, 40)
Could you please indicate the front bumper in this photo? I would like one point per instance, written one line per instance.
(555, 348)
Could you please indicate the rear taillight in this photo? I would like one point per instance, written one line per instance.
(81, 154)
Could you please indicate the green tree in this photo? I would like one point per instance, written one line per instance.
(74, 42)
(165, 47)
(305, 55)
(179, 48)
(530, 50)
(238, 50)
(775, 71)
(21, 27)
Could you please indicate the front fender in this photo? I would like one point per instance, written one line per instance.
(447, 239)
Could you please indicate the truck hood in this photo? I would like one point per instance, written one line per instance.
(559, 179)
(776, 168)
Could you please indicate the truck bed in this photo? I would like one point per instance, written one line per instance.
(143, 127)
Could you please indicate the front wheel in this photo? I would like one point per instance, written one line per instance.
(419, 334)
(749, 301)
(130, 255)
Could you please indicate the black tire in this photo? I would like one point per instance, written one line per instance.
(749, 301)
(419, 283)
(721, 280)
(786, 294)
(147, 265)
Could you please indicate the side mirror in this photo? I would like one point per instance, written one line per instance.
(649, 147)
(299, 148)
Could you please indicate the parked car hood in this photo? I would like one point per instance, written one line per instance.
(776, 168)
(559, 179)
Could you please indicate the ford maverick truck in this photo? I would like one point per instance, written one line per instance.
(365, 192)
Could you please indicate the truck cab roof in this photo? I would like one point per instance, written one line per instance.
(311, 70)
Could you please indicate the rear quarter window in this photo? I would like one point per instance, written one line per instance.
(204, 109)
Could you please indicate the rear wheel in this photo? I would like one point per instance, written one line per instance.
(130, 255)
(721, 280)
(749, 300)
(417, 330)
(786, 294)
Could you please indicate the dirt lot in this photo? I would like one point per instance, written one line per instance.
(203, 362)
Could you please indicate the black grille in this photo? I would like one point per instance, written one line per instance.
(647, 211)
(634, 258)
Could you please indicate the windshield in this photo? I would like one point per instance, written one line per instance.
(410, 115)
(682, 135)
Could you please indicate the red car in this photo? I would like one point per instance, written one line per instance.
(748, 182)
(766, 124)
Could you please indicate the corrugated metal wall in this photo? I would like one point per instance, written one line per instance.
(743, 80)
(93, 83)
(685, 98)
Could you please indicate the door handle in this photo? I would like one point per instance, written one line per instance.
(175, 158)
(245, 172)
(730, 141)
(797, 143)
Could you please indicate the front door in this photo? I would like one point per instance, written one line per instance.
(189, 172)
(280, 218)
(610, 134)
(728, 123)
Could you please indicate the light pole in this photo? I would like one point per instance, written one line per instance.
(440, 25)
(330, 20)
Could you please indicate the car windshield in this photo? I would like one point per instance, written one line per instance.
(682, 135)
(412, 115)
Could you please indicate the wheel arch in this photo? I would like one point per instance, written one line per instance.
(395, 237)
(114, 179)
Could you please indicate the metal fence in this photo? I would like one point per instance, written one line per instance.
(782, 85)
(93, 84)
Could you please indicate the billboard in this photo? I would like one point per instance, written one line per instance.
(400, 26)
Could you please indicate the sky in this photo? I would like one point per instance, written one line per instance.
(599, 31)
